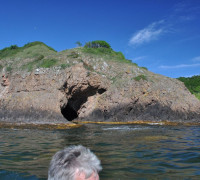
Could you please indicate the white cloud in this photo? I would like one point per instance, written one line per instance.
(151, 32)
(196, 59)
(182, 12)
(180, 66)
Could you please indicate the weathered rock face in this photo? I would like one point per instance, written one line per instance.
(51, 96)
(30, 98)
(81, 90)
(55, 95)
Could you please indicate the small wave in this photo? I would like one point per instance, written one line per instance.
(159, 123)
(125, 128)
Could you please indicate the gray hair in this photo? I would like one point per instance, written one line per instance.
(66, 162)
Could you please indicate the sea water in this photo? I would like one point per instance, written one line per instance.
(126, 151)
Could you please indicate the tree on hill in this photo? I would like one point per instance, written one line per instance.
(193, 84)
(97, 44)
(78, 43)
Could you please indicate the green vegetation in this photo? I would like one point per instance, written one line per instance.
(37, 54)
(97, 44)
(73, 54)
(47, 63)
(14, 49)
(144, 68)
(9, 51)
(193, 84)
(8, 69)
(106, 53)
(30, 65)
(78, 43)
(39, 62)
(103, 49)
(135, 64)
(63, 66)
(138, 78)
(40, 57)
(38, 43)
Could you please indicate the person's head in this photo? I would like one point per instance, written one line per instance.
(74, 163)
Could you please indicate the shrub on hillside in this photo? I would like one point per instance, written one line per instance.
(97, 44)
(144, 68)
(47, 63)
(120, 55)
(103, 48)
(63, 66)
(78, 43)
(8, 69)
(40, 57)
(138, 78)
(14, 47)
(73, 54)
(9, 51)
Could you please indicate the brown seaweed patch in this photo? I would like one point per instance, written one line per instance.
(38, 126)
(142, 122)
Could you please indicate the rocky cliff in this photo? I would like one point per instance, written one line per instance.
(81, 86)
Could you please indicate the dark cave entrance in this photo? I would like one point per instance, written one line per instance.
(69, 113)
(70, 110)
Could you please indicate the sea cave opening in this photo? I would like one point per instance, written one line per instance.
(70, 110)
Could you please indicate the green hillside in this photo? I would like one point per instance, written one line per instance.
(14, 50)
(193, 84)
(16, 58)
(39, 55)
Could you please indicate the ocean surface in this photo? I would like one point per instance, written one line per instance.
(126, 151)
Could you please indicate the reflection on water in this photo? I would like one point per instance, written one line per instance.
(126, 151)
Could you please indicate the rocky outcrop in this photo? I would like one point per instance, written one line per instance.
(76, 93)
(81, 89)
(49, 96)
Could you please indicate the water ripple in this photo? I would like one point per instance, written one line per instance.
(126, 151)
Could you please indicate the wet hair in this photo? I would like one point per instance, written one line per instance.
(67, 162)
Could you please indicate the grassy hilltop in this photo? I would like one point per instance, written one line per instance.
(38, 55)
(28, 57)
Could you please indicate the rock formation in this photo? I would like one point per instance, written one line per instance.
(94, 90)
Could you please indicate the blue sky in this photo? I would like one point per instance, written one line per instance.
(162, 35)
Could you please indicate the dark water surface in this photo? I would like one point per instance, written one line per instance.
(126, 151)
